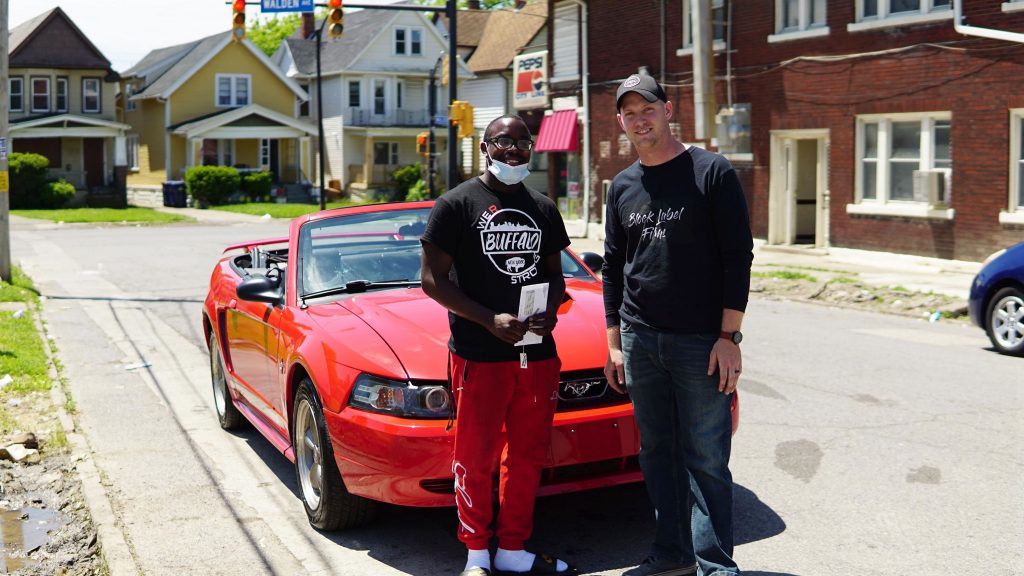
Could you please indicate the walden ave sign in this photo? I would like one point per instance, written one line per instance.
(287, 6)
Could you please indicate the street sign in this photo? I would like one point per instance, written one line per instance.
(440, 120)
(5, 182)
(287, 6)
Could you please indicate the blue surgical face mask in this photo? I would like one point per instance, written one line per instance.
(508, 174)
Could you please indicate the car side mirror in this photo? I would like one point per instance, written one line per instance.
(593, 261)
(259, 288)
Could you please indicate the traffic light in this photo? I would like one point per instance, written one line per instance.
(238, 20)
(423, 143)
(461, 114)
(335, 19)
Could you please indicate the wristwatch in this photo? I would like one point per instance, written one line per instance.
(735, 337)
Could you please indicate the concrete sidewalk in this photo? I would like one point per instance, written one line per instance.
(212, 216)
(917, 273)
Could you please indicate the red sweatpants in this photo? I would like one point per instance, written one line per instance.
(490, 396)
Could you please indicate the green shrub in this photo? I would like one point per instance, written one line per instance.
(405, 178)
(58, 193)
(212, 185)
(28, 180)
(418, 192)
(257, 186)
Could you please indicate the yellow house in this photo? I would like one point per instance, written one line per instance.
(213, 101)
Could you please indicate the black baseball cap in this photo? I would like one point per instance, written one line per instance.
(643, 85)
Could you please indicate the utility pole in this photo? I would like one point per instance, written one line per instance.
(453, 81)
(5, 187)
(319, 116)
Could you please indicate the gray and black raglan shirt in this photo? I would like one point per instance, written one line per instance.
(678, 245)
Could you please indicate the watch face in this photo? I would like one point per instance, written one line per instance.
(737, 337)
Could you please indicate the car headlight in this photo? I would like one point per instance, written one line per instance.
(377, 394)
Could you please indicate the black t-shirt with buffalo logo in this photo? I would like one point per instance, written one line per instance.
(498, 242)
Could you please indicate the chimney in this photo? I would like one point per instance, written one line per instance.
(474, 4)
(307, 24)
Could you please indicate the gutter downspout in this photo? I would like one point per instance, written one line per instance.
(585, 158)
(978, 31)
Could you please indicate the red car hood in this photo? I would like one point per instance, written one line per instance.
(416, 330)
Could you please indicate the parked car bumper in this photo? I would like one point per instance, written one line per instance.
(408, 462)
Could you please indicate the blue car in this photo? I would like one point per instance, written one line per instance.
(996, 302)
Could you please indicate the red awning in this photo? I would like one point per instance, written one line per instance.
(558, 133)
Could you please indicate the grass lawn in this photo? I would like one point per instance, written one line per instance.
(134, 215)
(281, 210)
(21, 349)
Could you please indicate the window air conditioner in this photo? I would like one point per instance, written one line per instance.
(932, 187)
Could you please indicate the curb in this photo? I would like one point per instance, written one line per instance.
(114, 549)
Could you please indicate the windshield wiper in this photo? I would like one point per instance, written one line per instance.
(357, 286)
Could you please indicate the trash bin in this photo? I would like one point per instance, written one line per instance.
(174, 194)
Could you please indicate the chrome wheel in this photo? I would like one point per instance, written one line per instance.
(228, 416)
(1005, 324)
(309, 454)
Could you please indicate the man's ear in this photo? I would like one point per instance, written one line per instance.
(621, 125)
(483, 149)
(668, 109)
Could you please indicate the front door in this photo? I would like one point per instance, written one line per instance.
(798, 191)
(92, 160)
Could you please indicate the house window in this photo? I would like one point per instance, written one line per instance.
(378, 97)
(717, 24)
(129, 91)
(904, 159)
(62, 94)
(264, 154)
(91, 95)
(871, 9)
(16, 88)
(304, 104)
(233, 90)
(799, 15)
(1015, 212)
(218, 152)
(132, 144)
(40, 94)
(408, 41)
(354, 95)
(385, 153)
(399, 93)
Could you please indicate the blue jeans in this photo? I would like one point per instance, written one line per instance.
(685, 441)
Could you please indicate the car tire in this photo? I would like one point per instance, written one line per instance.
(1005, 321)
(329, 505)
(228, 415)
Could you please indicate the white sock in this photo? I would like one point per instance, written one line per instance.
(478, 559)
(520, 561)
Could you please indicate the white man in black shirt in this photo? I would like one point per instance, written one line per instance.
(486, 239)
(676, 278)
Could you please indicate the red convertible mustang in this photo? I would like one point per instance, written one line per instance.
(326, 343)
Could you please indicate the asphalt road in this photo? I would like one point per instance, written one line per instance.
(867, 443)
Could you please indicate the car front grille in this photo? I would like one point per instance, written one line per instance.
(586, 389)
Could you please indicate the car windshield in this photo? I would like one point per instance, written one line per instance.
(382, 247)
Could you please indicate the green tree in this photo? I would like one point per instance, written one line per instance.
(268, 34)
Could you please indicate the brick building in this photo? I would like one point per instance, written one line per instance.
(869, 124)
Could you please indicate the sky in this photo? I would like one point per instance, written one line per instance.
(126, 30)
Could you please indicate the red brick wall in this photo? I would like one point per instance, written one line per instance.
(975, 79)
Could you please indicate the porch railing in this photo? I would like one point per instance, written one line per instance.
(394, 117)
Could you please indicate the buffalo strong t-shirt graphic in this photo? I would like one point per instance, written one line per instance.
(511, 240)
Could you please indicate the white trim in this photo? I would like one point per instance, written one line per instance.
(716, 45)
(686, 41)
(21, 93)
(233, 91)
(48, 93)
(408, 30)
(803, 16)
(895, 21)
(56, 93)
(99, 95)
(220, 123)
(1011, 217)
(739, 157)
(882, 203)
(63, 119)
(799, 34)
(900, 210)
(1014, 205)
(1013, 6)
